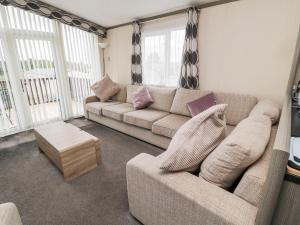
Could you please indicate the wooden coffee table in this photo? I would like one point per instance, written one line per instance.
(71, 149)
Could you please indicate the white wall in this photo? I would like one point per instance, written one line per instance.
(248, 46)
(117, 55)
(245, 47)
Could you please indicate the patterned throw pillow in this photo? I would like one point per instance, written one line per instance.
(245, 144)
(105, 88)
(201, 104)
(195, 140)
(141, 98)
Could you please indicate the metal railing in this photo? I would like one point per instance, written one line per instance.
(40, 90)
(44, 90)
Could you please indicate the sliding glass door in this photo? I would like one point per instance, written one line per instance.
(81, 60)
(8, 116)
(50, 68)
(38, 79)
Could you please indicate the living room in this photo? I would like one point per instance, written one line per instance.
(149, 112)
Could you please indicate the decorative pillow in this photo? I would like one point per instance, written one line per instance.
(141, 98)
(201, 104)
(105, 88)
(267, 108)
(245, 145)
(195, 140)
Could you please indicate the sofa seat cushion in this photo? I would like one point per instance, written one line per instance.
(116, 111)
(96, 107)
(168, 125)
(143, 118)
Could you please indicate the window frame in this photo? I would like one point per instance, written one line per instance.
(166, 32)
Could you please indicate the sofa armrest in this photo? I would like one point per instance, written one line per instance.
(9, 214)
(160, 198)
(91, 99)
(88, 100)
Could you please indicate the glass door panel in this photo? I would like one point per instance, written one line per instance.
(39, 80)
(8, 117)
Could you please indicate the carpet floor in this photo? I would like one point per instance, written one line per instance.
(33, 183)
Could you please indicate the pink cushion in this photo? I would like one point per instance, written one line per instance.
(141, 98)
(201, 104)
(105, 88)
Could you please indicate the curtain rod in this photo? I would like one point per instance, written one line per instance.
(180, 11)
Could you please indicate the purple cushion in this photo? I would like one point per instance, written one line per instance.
(201, 104)
(141, 98)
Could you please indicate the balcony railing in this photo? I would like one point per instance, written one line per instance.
(43, 90)
(40, 90)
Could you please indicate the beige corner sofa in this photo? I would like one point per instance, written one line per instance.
(158, 123)
(182, 198)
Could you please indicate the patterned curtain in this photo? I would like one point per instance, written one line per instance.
(189, 74)
(51, 12)
(136, 57)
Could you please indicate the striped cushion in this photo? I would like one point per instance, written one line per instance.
(241, 148)
(195, 140)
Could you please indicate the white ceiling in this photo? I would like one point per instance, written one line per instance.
(113, 12)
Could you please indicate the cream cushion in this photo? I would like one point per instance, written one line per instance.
(143, 118)
(9, 214)
(169, 125)
(130, 90)
(239, 106)
(116, 111)
(96, 107)
(195, 140)
(250, 187)
(121, 95)
(162, 96)
(105, 88)
(245, 145)
(182, 97)
(267, 108)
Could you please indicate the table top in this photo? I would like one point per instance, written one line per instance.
(64, 136)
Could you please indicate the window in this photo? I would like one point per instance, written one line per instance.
(162, 53)
(46, 69)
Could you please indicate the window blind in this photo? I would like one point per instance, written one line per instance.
(48, 66)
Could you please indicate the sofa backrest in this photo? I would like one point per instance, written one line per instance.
(121, 95)
(174, 100)
(250, 187)
(239, 106)
(162, 96)
(182, 97)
